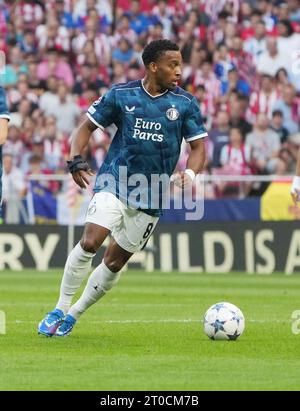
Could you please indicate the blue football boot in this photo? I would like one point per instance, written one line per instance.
(51, 322)
(66, 326)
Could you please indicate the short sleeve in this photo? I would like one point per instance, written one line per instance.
(103, 111)
(193, 127)
(4, 113)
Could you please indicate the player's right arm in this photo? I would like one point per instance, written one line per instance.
(4, 117)
(100, 114)
(79, 140)
(3, 130)
(295, 189)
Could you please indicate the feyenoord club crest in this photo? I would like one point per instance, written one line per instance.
(172, 114)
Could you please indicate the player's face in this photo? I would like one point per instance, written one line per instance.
(168, 69)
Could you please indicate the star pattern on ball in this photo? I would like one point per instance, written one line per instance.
(218, 325)
(218, 306)
(233, 336)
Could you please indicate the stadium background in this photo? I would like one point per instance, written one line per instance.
(240, 59)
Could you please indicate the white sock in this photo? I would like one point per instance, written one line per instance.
(100, 281)
(77, 266)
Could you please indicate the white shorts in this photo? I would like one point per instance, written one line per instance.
(130, 228)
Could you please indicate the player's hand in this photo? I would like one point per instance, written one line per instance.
(80, 171)
(81, 178)
(181, 179)
(295, 190)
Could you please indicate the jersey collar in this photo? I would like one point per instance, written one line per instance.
(150, 95)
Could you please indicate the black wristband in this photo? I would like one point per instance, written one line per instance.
(77, 164)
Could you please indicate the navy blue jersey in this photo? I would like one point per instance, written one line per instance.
(4, 113)
(149, 134)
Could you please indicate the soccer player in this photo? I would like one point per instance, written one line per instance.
(152, 116)
(4, 119)
(295, 189)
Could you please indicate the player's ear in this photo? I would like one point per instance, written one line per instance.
(153, 67)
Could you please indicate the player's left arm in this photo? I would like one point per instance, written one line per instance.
(194, 165)
(4, 117)
(295, 189)
(194, 132)
(3, 130)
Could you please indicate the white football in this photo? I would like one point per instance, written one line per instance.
(224, 321)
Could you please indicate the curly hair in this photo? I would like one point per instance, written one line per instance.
(155, 49)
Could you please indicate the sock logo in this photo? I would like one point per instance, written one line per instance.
(92, 209)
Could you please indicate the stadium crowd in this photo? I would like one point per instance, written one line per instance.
(241, 59)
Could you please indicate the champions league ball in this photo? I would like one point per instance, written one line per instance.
(224, 321)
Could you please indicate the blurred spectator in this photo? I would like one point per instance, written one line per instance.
(281, 79)
(123, 53)
(277, 126)
(15, 67)
(103, 8)
(66, 111)
(219, 137)
(234, 82)
(49, 98)
(223, 64)
(293, 7)
(64, 17)
(53, 36)
(164, 13)
(289, 106)
(206, 77)
(21, 91)
(236, 156)
(243, 62)
(55, 66)
(87, 78)
(36, 167)
(256, 45)
(235, 160)
(30, 11)
(265, 145)
(91, 41)
(56, 148)
(271, 60)
(14, 189)
(263, 100)
(28, 43)
(36, 148)
(14, 144)
(139, 21)
(123, 30)
(118, 73)
(237, 109)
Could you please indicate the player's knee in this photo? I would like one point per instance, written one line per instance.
(89, 244)
(114, 264)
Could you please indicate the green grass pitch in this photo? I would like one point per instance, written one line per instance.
(147, 335)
